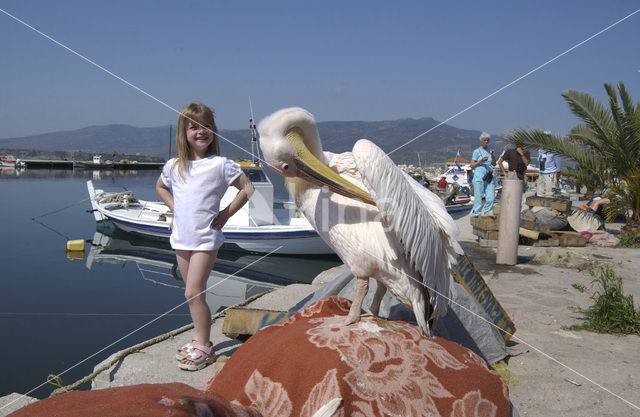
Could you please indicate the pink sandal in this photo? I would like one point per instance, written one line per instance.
(200, 356)
(185, 350)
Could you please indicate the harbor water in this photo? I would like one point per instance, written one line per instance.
(62, 314)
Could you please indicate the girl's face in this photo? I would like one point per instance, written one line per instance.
(199, 137)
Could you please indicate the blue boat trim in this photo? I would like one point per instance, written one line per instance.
(155, 229)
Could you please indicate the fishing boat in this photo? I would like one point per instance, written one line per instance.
(7, 161)
(256, 227)
(98, 162)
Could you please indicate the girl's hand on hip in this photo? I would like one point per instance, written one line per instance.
(220, 220)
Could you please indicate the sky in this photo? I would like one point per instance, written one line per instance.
(341, 60)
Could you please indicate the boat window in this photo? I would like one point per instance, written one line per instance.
(255, 175)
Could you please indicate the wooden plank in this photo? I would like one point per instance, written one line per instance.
(240, 323)
(528, 233)
(468, 276)
(569, 238)
(574, 241)
(535, 226)
(485, 234)
(556, 204)
(485, 222)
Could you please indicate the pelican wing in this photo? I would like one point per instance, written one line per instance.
(420, 223)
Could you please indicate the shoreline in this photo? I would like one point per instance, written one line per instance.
(536, 296)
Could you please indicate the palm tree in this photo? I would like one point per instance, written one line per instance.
(605, 147)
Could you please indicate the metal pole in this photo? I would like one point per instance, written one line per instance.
(169, 142)
(508, 235)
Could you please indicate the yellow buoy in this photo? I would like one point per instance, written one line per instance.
(75, 245)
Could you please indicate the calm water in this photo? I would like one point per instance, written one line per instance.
(56, 312)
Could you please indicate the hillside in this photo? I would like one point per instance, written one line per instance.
(436, 146)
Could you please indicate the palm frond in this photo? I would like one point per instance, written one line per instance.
(605, 147)
(575, 151)
(591, 112)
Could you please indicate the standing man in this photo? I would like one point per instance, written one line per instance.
(482, 163)
(549, 172)
(517, 159)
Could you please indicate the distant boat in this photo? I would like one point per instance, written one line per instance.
(7, 161)
(98, 162)
(257, 227)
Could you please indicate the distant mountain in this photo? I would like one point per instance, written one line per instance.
(439, 144)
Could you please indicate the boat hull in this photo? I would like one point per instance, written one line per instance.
(292, 239)
(285, 242)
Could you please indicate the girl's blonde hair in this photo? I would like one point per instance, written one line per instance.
(193, 113)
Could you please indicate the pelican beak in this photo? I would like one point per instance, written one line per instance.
(314, 171)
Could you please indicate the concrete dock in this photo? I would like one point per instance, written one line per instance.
(536, 295)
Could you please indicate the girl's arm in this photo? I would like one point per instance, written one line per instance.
(243, 184)
(165, 194)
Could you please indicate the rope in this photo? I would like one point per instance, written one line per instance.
(61, 209)
(57, 211)
(54, 380)
(123, 353)
(51, 228)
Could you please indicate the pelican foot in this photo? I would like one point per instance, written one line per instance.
(339, 321)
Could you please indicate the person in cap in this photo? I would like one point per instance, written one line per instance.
(482, 162)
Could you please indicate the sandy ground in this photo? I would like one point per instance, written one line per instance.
(564, 373)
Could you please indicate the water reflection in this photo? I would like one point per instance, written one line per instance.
(236, 275)
(10, 172)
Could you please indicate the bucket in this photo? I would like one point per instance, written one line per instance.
(75, 245)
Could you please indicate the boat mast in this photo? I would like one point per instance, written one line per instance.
(254, 139)
(169, 157)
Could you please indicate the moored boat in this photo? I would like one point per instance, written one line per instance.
(257, 227)
(7, 161)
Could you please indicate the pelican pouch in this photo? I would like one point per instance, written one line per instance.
(488, 177)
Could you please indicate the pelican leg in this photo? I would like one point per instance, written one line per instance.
(362, 286)
(381, 290)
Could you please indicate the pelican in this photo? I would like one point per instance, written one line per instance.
(378, 220)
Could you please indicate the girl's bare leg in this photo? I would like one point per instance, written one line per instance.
(195, 267)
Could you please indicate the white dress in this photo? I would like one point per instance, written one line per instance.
(196, 200)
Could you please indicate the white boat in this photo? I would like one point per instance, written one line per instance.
(459, 174)
(257, 227)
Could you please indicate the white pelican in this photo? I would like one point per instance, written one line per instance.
(398, 232)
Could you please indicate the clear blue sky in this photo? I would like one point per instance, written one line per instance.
(342, 60)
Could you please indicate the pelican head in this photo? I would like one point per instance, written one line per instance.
(291, 146)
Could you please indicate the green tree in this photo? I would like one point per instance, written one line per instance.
(605, 147)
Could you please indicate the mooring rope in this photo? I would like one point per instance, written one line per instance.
(123, 353)
(57, 211)
(61, 209)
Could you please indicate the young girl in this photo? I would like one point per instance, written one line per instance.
(191, 185)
